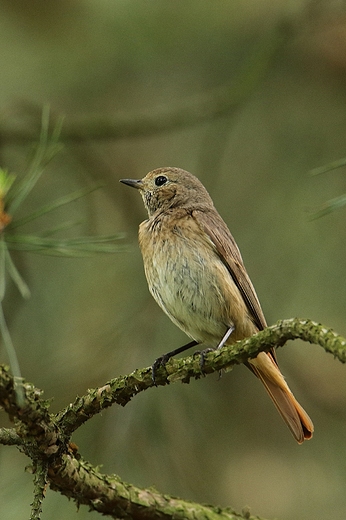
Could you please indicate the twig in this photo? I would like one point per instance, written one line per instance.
(123, 388)
(109, 495)
(40, 485)
(9, 437)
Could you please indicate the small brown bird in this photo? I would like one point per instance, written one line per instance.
(196, 274)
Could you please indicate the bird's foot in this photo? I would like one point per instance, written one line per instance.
(202, 354)
(159, 362)
(162, 360)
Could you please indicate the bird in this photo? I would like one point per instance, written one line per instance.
(196, 274)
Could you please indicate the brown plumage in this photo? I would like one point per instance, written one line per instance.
(196, 274)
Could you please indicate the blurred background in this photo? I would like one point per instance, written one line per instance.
(248, 96)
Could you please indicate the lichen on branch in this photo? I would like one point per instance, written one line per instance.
(45, 437)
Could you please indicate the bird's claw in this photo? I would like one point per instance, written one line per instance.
(159, 362)
(202, 354)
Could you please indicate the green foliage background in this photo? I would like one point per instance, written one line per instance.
(90, 319)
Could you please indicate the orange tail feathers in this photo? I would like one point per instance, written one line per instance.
(298, 421)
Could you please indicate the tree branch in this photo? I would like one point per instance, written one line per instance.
(9, 437)
(40, 485)
(121, 389)
(109, 495)
(38, 434)
(45, 437)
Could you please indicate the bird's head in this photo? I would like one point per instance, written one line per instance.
(166, 188)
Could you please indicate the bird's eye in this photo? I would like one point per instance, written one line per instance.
(160, 180)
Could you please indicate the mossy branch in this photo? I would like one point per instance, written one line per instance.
(109, 495)
(45, 437)
(40, 486)
(121, 389)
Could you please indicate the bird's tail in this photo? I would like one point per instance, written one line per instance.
(298, 421)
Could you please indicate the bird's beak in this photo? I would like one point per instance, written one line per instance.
(133, 182)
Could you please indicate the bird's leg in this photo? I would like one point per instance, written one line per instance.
(162, 360)
(220, 345)
(226, 336)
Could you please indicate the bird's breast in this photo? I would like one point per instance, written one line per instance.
(188, 279)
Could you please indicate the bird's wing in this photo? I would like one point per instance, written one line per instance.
(217, 231)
